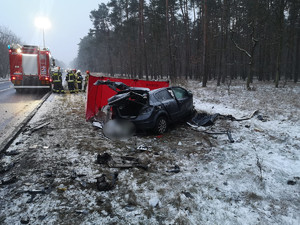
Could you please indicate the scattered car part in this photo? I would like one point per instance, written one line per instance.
(97, 124)
(176, 169)
(8, 180)
(40, 126)
(228, 132)
(142, 148)
(105, 183)
(124, 162)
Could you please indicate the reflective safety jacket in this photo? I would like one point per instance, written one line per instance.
(86, 78)
(70, 77)
(76, 77)
(56, 77)
(79, 78)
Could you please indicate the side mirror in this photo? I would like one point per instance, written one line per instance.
(53, 62)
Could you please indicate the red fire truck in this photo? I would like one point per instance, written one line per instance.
(30, 66)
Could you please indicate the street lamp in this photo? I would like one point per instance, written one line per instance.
(43, 23)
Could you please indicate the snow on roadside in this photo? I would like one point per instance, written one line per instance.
(245, 182)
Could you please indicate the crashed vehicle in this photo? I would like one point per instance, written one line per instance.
(150, 110)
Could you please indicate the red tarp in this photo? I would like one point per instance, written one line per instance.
(98, 95)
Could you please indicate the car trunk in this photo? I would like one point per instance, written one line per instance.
(128, 105)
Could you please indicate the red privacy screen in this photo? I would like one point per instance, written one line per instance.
(98, 95)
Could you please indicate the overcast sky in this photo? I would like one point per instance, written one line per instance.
(69, 22)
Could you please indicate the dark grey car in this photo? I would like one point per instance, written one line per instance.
(152, 110)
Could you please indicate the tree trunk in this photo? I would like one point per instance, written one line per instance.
(204, 81)
(279, 50)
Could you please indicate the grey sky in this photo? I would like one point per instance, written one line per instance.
(69, 19)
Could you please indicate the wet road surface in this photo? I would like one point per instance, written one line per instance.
(14, 107)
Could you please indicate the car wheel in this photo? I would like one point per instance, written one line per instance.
(161, 125)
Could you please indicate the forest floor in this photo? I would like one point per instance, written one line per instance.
(48, 175)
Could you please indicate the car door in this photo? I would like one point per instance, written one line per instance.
(169, 103)
(184, 99)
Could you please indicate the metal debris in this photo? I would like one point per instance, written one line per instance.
(106, 183)
(176, 169)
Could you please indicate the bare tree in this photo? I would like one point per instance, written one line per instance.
(7, 37)
(249, 54)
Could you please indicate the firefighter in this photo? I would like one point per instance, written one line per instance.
(86, 80)
(70, 78)
(57, 81)
(79, 80)
(75, 80)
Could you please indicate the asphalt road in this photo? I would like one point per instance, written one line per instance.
(15, 107)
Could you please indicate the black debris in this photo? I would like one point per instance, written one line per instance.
(8, 180)
(123, 162)
(42, 217)
(291, 182)
(176, 169)
(12, 152)
(104, 158)
(204, 119)
(25, 220)
(106, 183)
(48, 174)
(261, 118)
(188, 194)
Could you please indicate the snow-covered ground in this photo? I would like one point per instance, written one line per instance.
(255, 180)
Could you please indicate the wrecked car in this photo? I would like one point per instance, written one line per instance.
(150, 110)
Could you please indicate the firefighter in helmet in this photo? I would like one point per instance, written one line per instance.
(75, 80)
(79, 80)
(70, 78)
(86, 80)
(57, 81)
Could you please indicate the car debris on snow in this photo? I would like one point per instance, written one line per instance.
(12, 152)
(106, 183)
(143, 148)
(30, 130)
(8, 180)
(187, 194)
(97, 124)
(82, 211)
(124, 162)
(176, 169)
(203, 119)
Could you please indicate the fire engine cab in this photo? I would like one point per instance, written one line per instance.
(30, 66)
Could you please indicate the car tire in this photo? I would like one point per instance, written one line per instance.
(161, 125)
